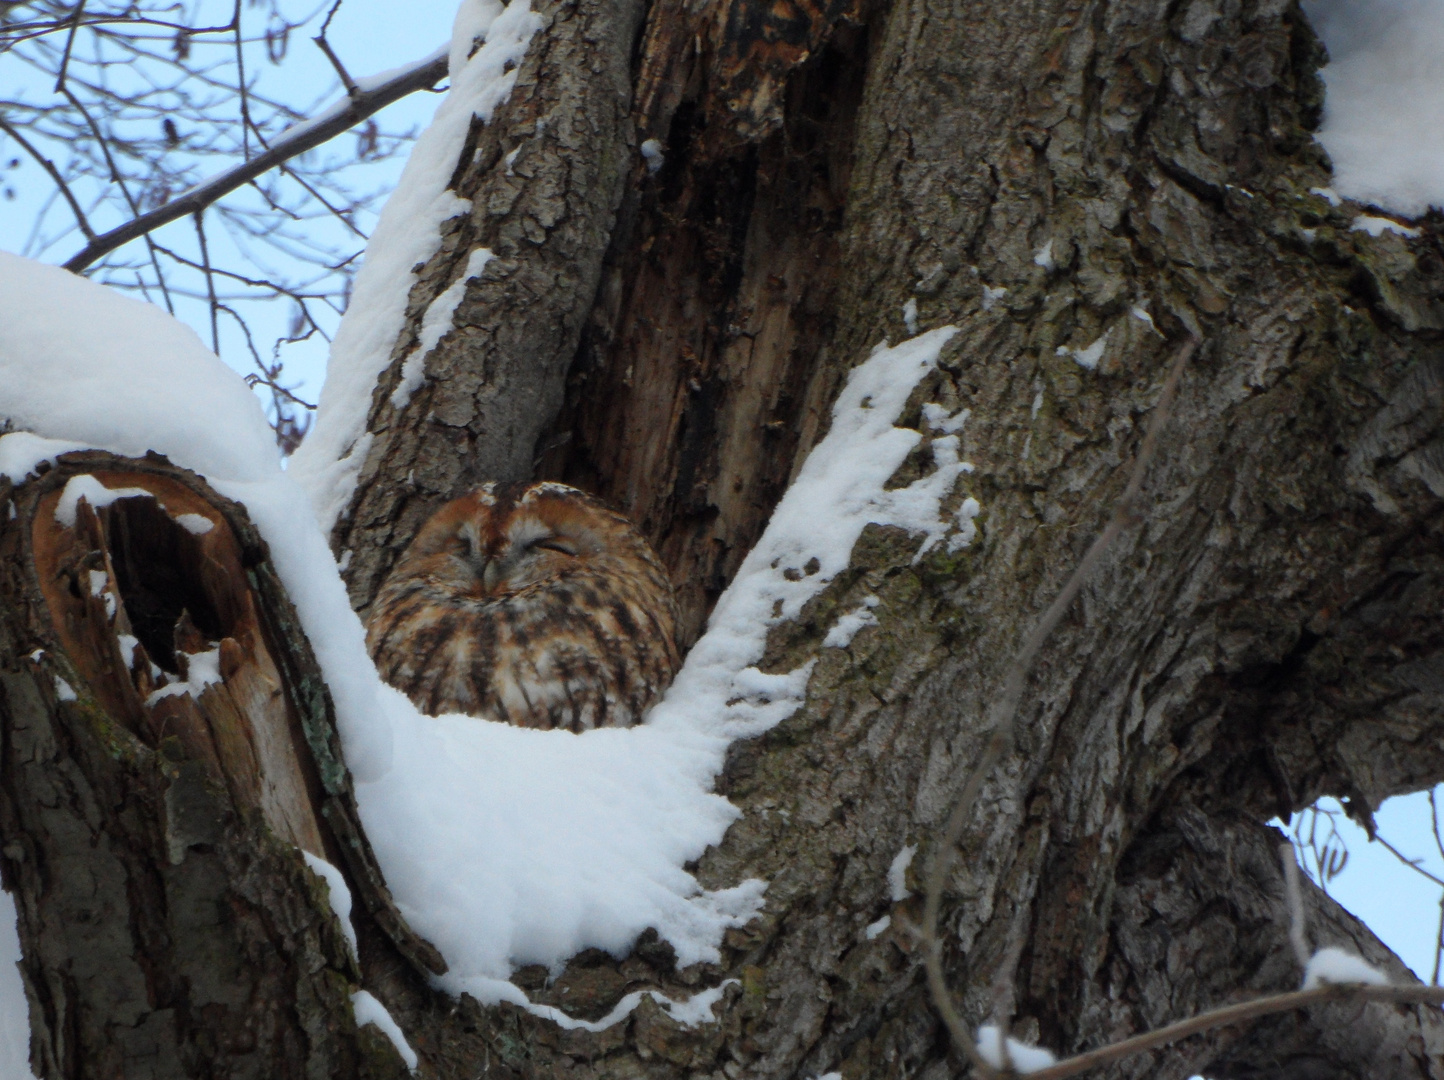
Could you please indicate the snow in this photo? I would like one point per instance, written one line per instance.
(408, 234)
(1044, 256)
(14, 1010)
(434, 325)
(505, 846)
(939, 419)
(1335, 966)
(1141, 313)
(337, 894)
(203, 669)
(63, 690)
(92, 491)
(195, 524)
(897, 874)
(991, 296)
(1087, 358)
(967, 527)
(1383, 122)
(845, 629)
(652, 154)
(910, 316)
(697, 1009)
(51, 321)
(21, 452)
(875, 929)
(370, 1011)
(1024, 1058)
(1377, 226)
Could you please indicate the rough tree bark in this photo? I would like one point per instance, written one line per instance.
(153, 839)
(1045, 176)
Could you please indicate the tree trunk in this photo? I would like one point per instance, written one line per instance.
(1045, 178)
(154, 818)
(1076, 187)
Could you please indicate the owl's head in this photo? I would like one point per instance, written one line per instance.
(502, 538)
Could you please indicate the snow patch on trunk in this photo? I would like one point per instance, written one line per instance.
(1383, 120)
(408, 234)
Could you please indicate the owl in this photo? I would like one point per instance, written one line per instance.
(530, 604)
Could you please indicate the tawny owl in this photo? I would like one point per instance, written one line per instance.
(531, 604)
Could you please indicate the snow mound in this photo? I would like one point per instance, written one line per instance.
(1384, 110)
(1024, 1058)
(505, 846)
(1335, 966)
(86, 364)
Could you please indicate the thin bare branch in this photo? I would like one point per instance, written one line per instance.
(49, 166)
(1416, 994)
(1295, 894)
(119, 180)
(1004, 710)
(69, 44)
(1438, 944)
(210, 282)
(310, 135)
(241, 89)
(325, 46)
(1412, 864)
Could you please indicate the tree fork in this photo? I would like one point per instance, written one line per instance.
(153, 838)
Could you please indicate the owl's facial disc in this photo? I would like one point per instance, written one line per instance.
(529, 551)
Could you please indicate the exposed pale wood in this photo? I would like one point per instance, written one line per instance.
(694, 389)
(195, 803)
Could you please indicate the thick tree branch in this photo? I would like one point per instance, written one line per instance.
(306, 136)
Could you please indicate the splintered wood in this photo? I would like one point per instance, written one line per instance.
(167, 636)
(150, 600)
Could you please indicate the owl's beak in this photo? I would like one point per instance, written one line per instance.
(490, 573)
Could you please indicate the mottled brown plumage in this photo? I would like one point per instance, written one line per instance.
(530, 604)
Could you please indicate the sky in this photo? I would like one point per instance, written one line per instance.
(369, 37)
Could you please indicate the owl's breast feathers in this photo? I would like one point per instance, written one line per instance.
(534, 605)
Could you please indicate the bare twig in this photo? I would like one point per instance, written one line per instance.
(241, 89)
(1416, 994)
(1412, 864)
(1004, 710)
(69, 44)
(49, 166)
(210, 283)
(422, 77)
(1295, 894)
(325, 46)
(119, 180)
(1438, 944)
(1439, 845)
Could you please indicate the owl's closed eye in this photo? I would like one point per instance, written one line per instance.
(530, 604)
